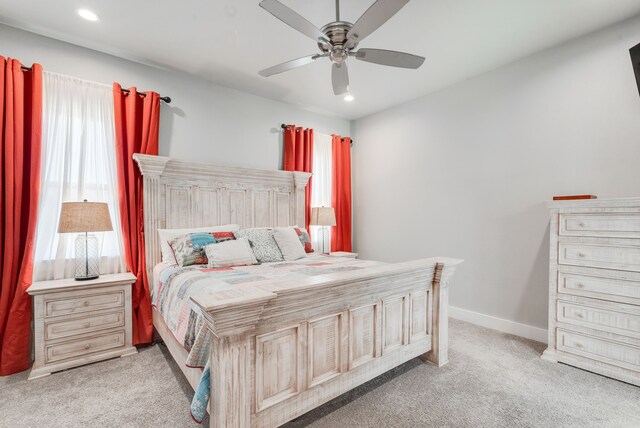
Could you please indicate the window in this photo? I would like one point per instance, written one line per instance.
(321, 188)
(78, 162)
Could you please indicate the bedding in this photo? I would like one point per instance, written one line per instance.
(305, 239)
(236, 252)
(290, 245)
(174, 286)
(262, 243)
(167, 235)
(189, 249)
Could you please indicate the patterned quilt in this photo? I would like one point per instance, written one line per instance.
(174, 286)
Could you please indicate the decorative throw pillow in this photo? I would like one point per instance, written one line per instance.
(262, 243)
(231, 253)
(289, 243)
(189, 249)
(168, 235)
(304, 239)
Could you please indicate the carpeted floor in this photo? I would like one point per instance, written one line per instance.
(492, 380)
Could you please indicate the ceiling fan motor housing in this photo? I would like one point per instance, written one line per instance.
(337, 34)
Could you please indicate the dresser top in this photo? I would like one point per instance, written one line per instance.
(70, 284)
(595, 203)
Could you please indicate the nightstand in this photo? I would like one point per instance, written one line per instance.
(344, 254)
(80, 322)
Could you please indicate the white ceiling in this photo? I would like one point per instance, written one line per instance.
(228, 41)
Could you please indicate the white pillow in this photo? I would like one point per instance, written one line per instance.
(289, 243)
(168, 235)
(230, 253)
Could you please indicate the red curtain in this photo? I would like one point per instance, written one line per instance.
(298, 156)
(20, 141)
(137, 117)
(341, 193)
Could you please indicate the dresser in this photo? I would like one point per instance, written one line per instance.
(80, 322)
(594, 286)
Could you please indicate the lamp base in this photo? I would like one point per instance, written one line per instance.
(87, 257)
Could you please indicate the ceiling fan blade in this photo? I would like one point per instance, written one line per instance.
(391, 58)
(340, 78)
(379, 13)
(293, 19)
(289, 65)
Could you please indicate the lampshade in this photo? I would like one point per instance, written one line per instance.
(84, 217)
(323, 216)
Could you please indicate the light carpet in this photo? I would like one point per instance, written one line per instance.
(492, 380)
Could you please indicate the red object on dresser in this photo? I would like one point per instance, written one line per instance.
(574, 197)
(298, 156)
(21, 142)
(137, 117)
(341, 194)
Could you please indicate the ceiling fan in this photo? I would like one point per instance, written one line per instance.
(338, 40)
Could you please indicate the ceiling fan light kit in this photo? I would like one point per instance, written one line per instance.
(338, 40)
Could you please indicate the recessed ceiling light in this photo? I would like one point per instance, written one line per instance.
(88, 15)
(348, 98)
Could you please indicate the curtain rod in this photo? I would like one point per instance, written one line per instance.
(165, 99)
(285, 126)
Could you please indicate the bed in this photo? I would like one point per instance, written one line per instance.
(282, 345)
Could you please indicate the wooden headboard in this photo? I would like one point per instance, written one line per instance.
(180, 194)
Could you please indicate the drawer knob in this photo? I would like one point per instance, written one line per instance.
(580, 285)
(86, 303)
(579, 315)
(580, 254)
(581, 224)
(87, 346)
(579, 345)
(87, 325)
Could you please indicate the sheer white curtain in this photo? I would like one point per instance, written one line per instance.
(78, 162)
(321, 189)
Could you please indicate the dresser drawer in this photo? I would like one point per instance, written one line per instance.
(602, 256)
(606, 225)
(56, 305)
(598, 287)
(84, 346)
(623, 320)
(605, 351)
(87, 324)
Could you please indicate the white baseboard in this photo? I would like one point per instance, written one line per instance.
(495, 323)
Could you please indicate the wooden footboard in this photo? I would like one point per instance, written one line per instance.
(279, 350)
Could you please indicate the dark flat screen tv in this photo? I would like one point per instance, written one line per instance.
(635, 60)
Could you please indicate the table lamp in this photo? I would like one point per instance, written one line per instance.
(82, 218)
(323, 216)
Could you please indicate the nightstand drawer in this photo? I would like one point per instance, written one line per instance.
(605, 351)
(606, 225)
(84, 346)
(57, 306)
(88, 324)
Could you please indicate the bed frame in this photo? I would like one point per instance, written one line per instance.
(281, 349)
